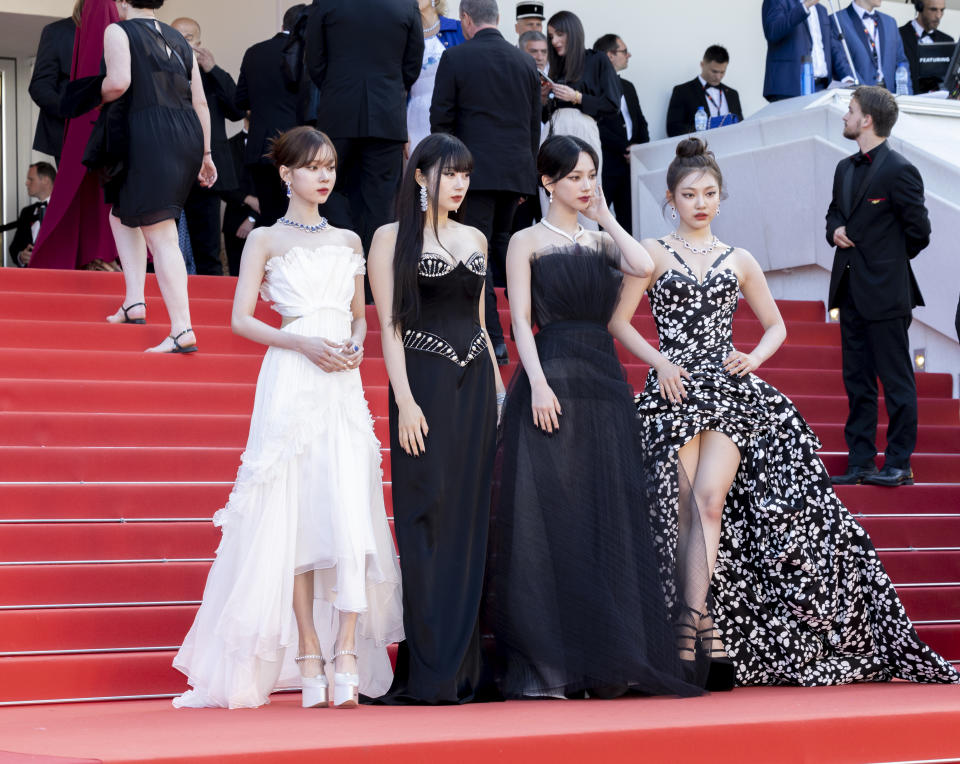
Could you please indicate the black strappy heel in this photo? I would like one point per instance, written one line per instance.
(126, 313)
(722, 675)
(178, 348)
(685, 632)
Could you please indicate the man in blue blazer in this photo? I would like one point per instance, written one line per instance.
(796, 29)
(875, 44)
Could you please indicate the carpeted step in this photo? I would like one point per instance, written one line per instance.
(931, 603)
(90, 282)
(89, 676)
(922, 567)
(150, 464)
(875, 500)
(927, 468)
(94, 628)
(943, 638)
(59, 585)
(911, 532)
(931, 438)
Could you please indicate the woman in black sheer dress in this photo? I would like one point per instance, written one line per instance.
(152, 68)
(427, 275)
(575, 600)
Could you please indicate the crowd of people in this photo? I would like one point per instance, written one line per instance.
(683, 540)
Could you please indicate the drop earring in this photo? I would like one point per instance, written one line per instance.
(423, 198)
(289, 190)
(551, 197)
(717, 213)
(673, 215)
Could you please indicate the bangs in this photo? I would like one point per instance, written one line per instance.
(458, 159)
(314, 150)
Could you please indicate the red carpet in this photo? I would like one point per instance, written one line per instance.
(865, 723)
(112, 462)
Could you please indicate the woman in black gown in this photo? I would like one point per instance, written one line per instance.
(799, 595)
(575, 600)
(153, 69)
(427, 275)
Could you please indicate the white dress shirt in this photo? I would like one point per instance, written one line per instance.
(922, 37)
(819, 55)
(625, 111)
(873, 32)
(717, 105)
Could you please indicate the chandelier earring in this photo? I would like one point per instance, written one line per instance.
(423, 198)
(289, 190)
(673, 215)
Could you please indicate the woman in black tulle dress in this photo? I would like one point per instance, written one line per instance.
(153, 69)
(427, 274)
(799, 595)
(575, 601)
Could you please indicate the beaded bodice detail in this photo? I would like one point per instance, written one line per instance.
(449, 324)
(694, 317)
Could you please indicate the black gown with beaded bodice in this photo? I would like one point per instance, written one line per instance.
(799, 595)
(575, 601)
(441, 499)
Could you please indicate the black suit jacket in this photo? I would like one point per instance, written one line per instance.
(887, 220)
(221, 93)
(364, 55)
(689, 97)
(236, 211)
(24, 235)
(271, 99)
(911, 47)
(613, 132)
(487, 93)
(51, 73)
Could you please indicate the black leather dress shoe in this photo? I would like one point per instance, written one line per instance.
(855, 475)
(891, 477)
(500, 351)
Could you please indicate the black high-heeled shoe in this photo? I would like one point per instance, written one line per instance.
(722, 674)
(685, 632)
(126, 313)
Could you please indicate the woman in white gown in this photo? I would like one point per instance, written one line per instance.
(306, 571)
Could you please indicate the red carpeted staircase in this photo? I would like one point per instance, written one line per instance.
(112, 462)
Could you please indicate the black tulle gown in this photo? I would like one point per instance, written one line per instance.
(575, 601)
(441, 499)
(800, 596)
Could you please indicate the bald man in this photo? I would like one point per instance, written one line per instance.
(203, 204)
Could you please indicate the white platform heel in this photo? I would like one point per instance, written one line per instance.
(346, 687)
(315, 692)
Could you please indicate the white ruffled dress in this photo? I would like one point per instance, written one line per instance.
(308, 496)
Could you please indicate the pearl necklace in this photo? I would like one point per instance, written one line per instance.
(559, 231)
(696, 250)
(431, 28)
(321, 226)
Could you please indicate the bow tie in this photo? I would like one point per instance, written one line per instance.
(926, 35)
(41, 204)
(870, 17)
(862, 159)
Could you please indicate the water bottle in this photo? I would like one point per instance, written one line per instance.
(700, 120)
(903, 80)
(806, 76)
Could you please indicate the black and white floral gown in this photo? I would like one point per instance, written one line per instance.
(799, 595)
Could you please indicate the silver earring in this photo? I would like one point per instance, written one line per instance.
(673, 215)
(718, 212)
(551, 197)
(289, 190)
(423, 198)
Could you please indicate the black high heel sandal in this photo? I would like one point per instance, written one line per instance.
(722, 675)
(685, 632)
(126, 313)
(178, 348)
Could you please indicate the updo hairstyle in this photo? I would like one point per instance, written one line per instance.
(299, 147)
(693, 157)
(559, 155)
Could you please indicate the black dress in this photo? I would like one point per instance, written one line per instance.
(575, 600)
(165, 136)
(800, 596)
(441, 499)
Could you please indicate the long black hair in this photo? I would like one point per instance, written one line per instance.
(569, 67)
(434, 154)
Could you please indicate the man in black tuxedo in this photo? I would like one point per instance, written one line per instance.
(202, 207)
(272, 101)
(242, 213)
(878, 222)
(40, 178)
(619, 132)
(706, 90)
(487, 93)
(364, 56)
(51, 73)
(923, 30)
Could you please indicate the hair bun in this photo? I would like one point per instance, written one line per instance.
(691, 147)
